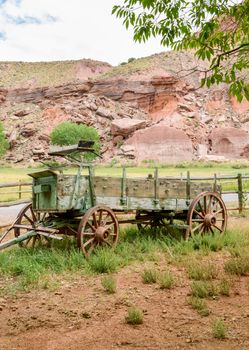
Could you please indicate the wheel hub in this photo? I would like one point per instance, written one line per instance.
(101, 233)
(209, 220)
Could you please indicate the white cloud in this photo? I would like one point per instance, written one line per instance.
(83, 29)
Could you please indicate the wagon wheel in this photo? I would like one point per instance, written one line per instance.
(28, 217)
(207, 214)
(98, 227)
(149, 222)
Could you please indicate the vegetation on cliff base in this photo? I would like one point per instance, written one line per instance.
(218, 31)
(68, 133)
(3, 142)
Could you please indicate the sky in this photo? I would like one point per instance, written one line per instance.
(51, 30)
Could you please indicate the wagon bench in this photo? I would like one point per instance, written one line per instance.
(88, 206)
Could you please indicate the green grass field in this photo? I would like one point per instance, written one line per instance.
(196, 169)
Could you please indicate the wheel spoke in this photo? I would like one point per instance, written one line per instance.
(200, 215)
(27, 241)
(209, 204)
(106, 242)
(91, 234)
(203, 229)
(91, 226)
(33, 215)
(93, 245)
(34, 241)
(28, 218)
(211, 230)
(218, 212)
(105, 220)
(219, 229)
(205, 204)
(202, 211)
(196, 227)
(88, 242)
(108, 227)
(100, 216)
(95, 220)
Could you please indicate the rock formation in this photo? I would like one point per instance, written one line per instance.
(145, 110)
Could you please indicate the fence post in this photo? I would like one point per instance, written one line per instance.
(240, 193)
(20, 189)
(188, 190)
(215, 183)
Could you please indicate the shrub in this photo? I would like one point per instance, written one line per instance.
(199, 305)
(166, 280)
(219, 329)
(149, 276)
(68, 133)
(104, 261)
(203, 289)
(135, 316)
(224, 287)
(109, 284)
(238, 266)
(4, 145)
(205, 272)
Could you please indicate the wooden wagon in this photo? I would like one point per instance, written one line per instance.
(88, 206)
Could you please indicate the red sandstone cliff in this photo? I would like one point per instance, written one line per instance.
(147, 109)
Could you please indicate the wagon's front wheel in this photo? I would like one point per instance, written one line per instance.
(98, 227)
(28, 220)
(207, 214)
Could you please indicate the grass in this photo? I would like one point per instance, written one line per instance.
(104, 261)
(166, 280)
(134, 316)
(149, 276)
(238, 266)
(219, 329)
(197, 168)
(23, 269)
(199, 305)
(109, 284)
(197, 271)
(203, 289)
(224, 287)
(15, 74)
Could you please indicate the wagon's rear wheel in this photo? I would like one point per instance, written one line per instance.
(149, 221)
(29, 219)
(98, 227)
(207, 214)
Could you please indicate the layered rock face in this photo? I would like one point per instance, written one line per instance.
(230, 142)
(166, 144)
(148, 113)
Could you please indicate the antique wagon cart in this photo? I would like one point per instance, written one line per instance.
(88, 206)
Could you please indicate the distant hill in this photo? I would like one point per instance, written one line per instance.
(38, 74)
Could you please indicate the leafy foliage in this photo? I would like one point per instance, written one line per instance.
(3, 142)
(218, 31)
(68, 133)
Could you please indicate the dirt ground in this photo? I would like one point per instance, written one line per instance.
(81, 315)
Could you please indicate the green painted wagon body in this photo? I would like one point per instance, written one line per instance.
(57, 192)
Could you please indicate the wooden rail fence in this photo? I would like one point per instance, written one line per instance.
(241, 189)
(16, 189)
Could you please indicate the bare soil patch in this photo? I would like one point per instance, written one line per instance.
(80, 314)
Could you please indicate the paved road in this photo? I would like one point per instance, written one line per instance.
(8, 214)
